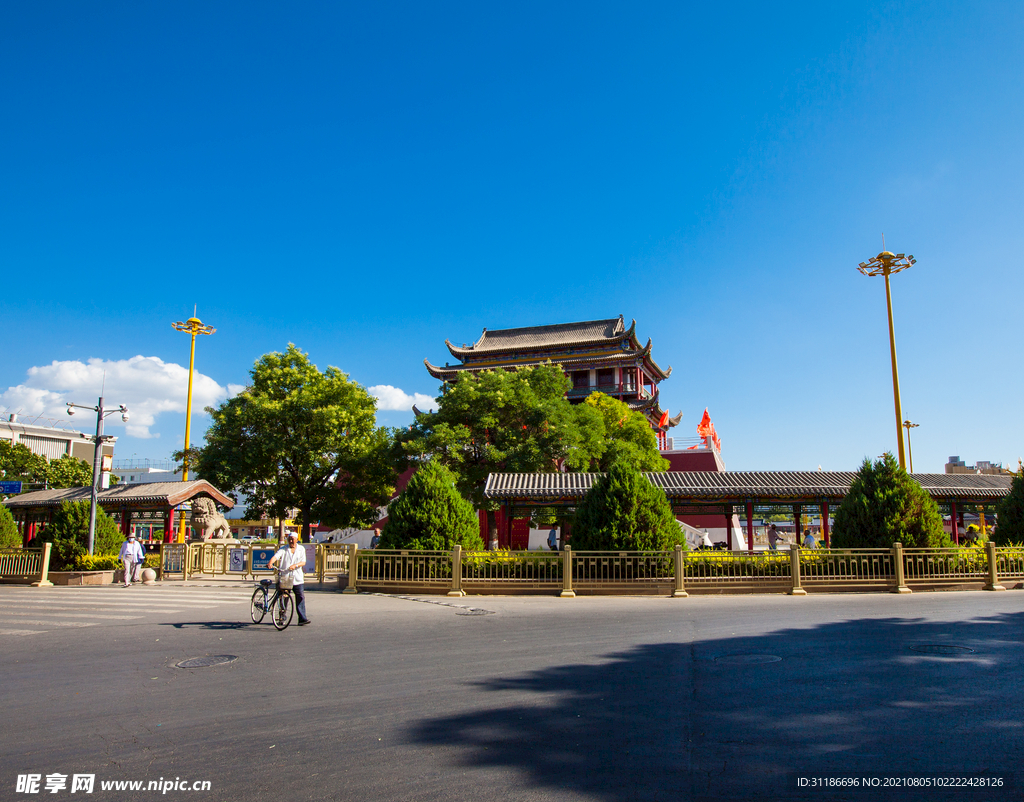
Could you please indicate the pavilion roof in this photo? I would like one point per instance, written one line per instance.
(559, 335)
(762, 487)
(152, 495)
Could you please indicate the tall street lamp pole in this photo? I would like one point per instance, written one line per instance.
(97, 456)
(192, 326)
(910, 450)
(885, 264)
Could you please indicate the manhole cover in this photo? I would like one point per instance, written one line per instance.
(941, 648)
(475, 611)
(209, 660)
(747, 659)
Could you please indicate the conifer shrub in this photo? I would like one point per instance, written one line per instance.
(885, 506)
(10, 538)
(431, 514)
(623, 511)
(68, 531)
(1010, 514)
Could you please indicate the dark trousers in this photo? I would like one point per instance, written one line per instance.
(300, 601)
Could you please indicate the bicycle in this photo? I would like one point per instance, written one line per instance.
(279, 605)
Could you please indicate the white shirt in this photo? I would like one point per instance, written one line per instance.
(132, 550)
(292, 561)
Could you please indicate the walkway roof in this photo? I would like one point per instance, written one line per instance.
(738, 487)
(155, 495)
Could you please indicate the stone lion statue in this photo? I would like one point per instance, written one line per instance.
(206, 519)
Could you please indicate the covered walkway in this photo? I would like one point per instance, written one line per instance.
(743, 492)
(154, 503)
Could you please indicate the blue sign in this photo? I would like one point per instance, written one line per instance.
(10, 488)
(261, 557)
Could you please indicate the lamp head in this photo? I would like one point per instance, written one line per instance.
(71, 409)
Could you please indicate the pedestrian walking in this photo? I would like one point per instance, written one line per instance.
(773, 538)
(291, 559)
(375, 540)
(132, 556)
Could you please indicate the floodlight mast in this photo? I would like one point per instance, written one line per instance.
(191, 326)
(885, 264)
(908, 425)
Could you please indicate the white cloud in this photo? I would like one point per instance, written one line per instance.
(394, 398)
(147, 385)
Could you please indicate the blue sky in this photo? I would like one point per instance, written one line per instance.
(365, 180)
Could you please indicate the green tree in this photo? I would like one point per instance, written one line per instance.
(1010, 513)
(300, 439)
(68, 531)
(624, 511)
(18, 464)
(505, 421)
(10, 537)
(431, 514)
(884, 506)
(627, 437)
(68, 471)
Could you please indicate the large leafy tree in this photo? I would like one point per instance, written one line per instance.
(505, 421)
(885, 506)
(68, 471)
(623, 510)
(627, 436)
(431, 514)
(299, 438)
(1010, 513)
(18, 464)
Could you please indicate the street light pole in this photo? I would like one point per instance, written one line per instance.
(908, 426)
(192, 326)
(885, 264)
(97, 456)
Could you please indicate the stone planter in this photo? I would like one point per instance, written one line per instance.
(80, 577)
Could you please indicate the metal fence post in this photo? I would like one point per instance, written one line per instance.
(44, 568)
(353, 569)
(897, 561)
(794, 570)
(679, 592)
(567, 591)
(160, 566)
(993, 574)
(457, 572)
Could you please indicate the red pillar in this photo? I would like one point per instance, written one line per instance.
(750, 526)
(953, 523)
(126, 522)
(797, 525)
(728, 527)
(169, 526)
(825, 530)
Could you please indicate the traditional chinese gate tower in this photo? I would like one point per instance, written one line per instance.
(596, 355)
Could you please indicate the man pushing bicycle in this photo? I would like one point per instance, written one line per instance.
(292, 559)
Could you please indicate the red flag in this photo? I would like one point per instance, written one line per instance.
(664, 420)
(704, 427)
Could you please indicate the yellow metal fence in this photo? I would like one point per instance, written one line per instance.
(458, 572)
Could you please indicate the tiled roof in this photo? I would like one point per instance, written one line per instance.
(563, 335)
(739, 486)
(155, 494)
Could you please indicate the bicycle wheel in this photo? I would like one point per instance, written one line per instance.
(283, 611)
(258, 605)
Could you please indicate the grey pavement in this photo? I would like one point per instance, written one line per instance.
(517, 698)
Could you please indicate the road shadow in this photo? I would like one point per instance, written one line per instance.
(217, 625)
(725, 719)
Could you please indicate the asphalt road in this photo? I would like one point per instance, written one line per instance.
(384, 698)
